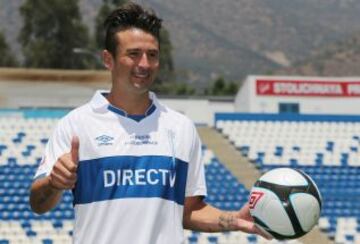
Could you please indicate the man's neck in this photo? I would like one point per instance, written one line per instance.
(131, 104)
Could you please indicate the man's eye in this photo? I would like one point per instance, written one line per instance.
(153, 55)
(133, 54)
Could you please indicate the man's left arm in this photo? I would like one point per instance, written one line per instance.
(200, 216)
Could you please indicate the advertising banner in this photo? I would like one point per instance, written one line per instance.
(307, 88)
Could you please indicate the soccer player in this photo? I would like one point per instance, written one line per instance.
(133, 164)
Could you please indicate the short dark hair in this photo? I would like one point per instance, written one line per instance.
(130, 15)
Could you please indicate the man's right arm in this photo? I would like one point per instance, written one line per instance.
(43, 196)
(46, 192)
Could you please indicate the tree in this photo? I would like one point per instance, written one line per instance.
(51, 31)
(104, 11)
(231, 88)
(222, 88)
(99, 37)
(7, 59)
(184, 89)
(218, 87)
(166, 72)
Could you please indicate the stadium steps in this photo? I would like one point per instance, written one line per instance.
(245, 171)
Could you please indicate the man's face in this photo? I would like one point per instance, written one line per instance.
(136, 63)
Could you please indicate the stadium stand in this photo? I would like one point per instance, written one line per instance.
(324, 146)
(23, 135)
(227, 193)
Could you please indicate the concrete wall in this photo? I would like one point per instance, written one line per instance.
(52, 94)
(201, 111)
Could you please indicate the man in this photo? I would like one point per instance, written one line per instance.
(132, 163)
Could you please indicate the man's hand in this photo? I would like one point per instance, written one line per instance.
(63, 175)
(243, 221)
(200, 216)
(46, 192)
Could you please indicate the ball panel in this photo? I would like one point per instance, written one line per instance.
(267, 230)
(278, 218)
(284, 176)
(313, 189)
(263, 227)
(270, 211)
(307, 210)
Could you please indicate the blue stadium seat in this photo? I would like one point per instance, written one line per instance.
(193, 239)
(213, 240)
(332, 160)
(47, 241)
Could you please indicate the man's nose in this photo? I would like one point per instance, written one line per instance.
(144, 61)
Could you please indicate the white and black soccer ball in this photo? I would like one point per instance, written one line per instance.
(286, 203)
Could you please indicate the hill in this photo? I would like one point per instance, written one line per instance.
(234, 38)
(338, 59)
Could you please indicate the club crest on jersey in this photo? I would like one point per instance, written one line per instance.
(104, 140)
(254, 198)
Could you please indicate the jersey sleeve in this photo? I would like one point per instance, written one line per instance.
(196, 185)
(58, 144)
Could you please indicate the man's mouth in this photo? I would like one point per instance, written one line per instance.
(142, 74)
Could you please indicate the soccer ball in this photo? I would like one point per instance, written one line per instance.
(285, 203)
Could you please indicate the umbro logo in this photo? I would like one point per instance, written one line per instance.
(104, 140)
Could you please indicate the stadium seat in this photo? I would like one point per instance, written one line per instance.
(21, 149)
(327, 150)
(324, 147)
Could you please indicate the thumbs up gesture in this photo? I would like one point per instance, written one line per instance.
(63, 175)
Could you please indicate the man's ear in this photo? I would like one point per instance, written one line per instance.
(108, 59)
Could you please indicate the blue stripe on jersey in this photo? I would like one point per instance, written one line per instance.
(131, 177)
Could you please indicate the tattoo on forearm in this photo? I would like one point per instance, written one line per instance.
(46, 195)
(226, 221)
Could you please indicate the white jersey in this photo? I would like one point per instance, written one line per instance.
(133, 173)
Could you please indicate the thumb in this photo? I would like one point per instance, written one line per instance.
(75, 149)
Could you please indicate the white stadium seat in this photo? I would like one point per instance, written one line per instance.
(327, 150)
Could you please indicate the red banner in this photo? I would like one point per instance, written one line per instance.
(308, 88)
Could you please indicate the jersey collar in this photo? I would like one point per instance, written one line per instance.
(100, 104)
(137, 118)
